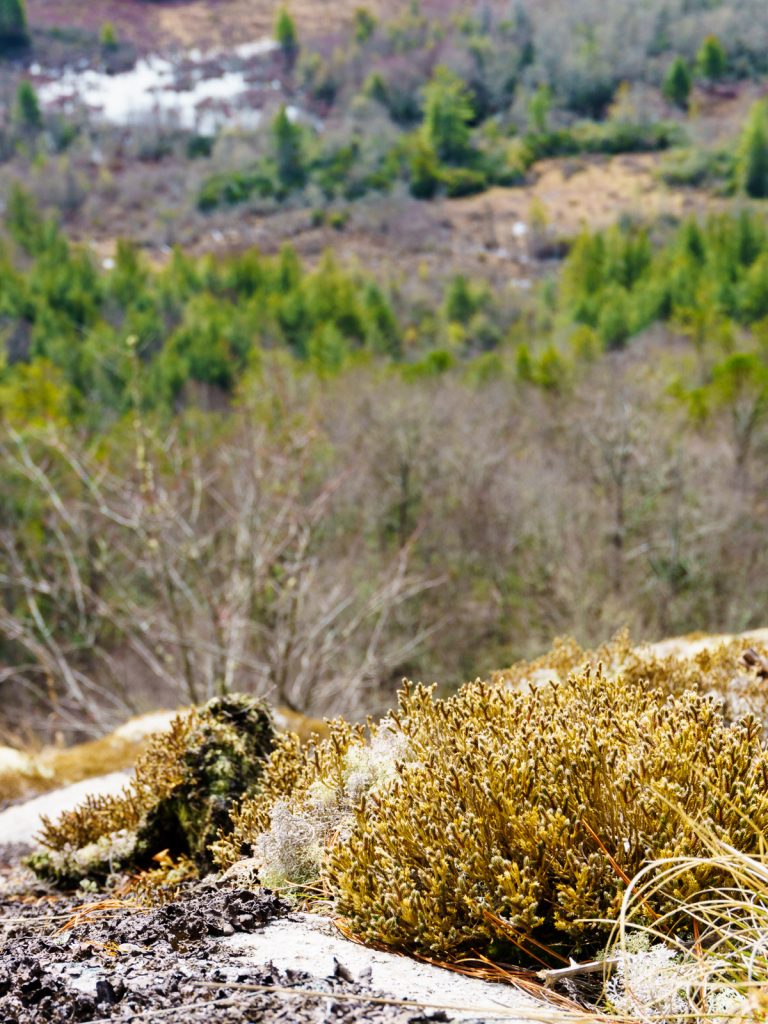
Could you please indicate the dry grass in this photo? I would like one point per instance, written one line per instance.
(706, 959)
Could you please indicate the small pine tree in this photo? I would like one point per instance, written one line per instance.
(13, 24)
(460, 300)
(753, 153)
(108, 36)
(288, 142)
(677, 84)
(447, 115)
(539, 107)
(424, 170)
(364, 25)
(711, 60)
(287, 36)
(27, 110)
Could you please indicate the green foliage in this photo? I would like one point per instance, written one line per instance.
(711, 60)
(232, 187)
(447, 115)
(200, 321)
(364, 24)
(424, 169)
(698, 167)
(27, 109)
(108, 37)
(753, 153)
(286, 35)
(288, 144)
(539, 108)
(13, 25)
(461, 300)
(678, 82)
(183, 793)
(615, 282)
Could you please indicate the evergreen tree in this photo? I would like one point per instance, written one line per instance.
(447, 115)
(424, 170)
(108, 37)
(711, 60)
(539, 107)
(460, 300)
(677, 83)
(364, 25)
(27, 110)
(753, 153)
(287, 36)
(13, 24)
(288, 142)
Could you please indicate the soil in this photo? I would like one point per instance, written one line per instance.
(189, 22)
(63, 959)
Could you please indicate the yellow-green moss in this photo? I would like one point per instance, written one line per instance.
(521, 814)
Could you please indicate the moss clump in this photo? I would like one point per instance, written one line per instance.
(715, 671)
(306, 800)
(520, 815)
(504, 816)
(182, 796)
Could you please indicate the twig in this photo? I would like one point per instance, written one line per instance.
(550, 977)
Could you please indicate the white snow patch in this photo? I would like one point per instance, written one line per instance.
(197, 98)
(308, 942)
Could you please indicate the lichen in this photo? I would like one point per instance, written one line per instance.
(306, 799)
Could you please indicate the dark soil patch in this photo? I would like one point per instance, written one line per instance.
(162, 964)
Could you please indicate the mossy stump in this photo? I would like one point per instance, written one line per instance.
(186, 786)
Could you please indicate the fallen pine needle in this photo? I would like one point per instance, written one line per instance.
(83, 914)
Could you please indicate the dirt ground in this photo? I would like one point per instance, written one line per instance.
(167, 963)
(205, 23)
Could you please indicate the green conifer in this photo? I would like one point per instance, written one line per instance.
(13, 24)
(677, 83)
(711, 60)
(287, 36)
(753, 153)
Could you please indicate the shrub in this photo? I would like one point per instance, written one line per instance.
(108, 37)
(13, 24)
(753, 153)
(711, 60)
(678, 83)
(462, 181)
(447, 116)
(231, 188)
(424, 171)
(27, 112)
(286, 36)
(288, 146)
